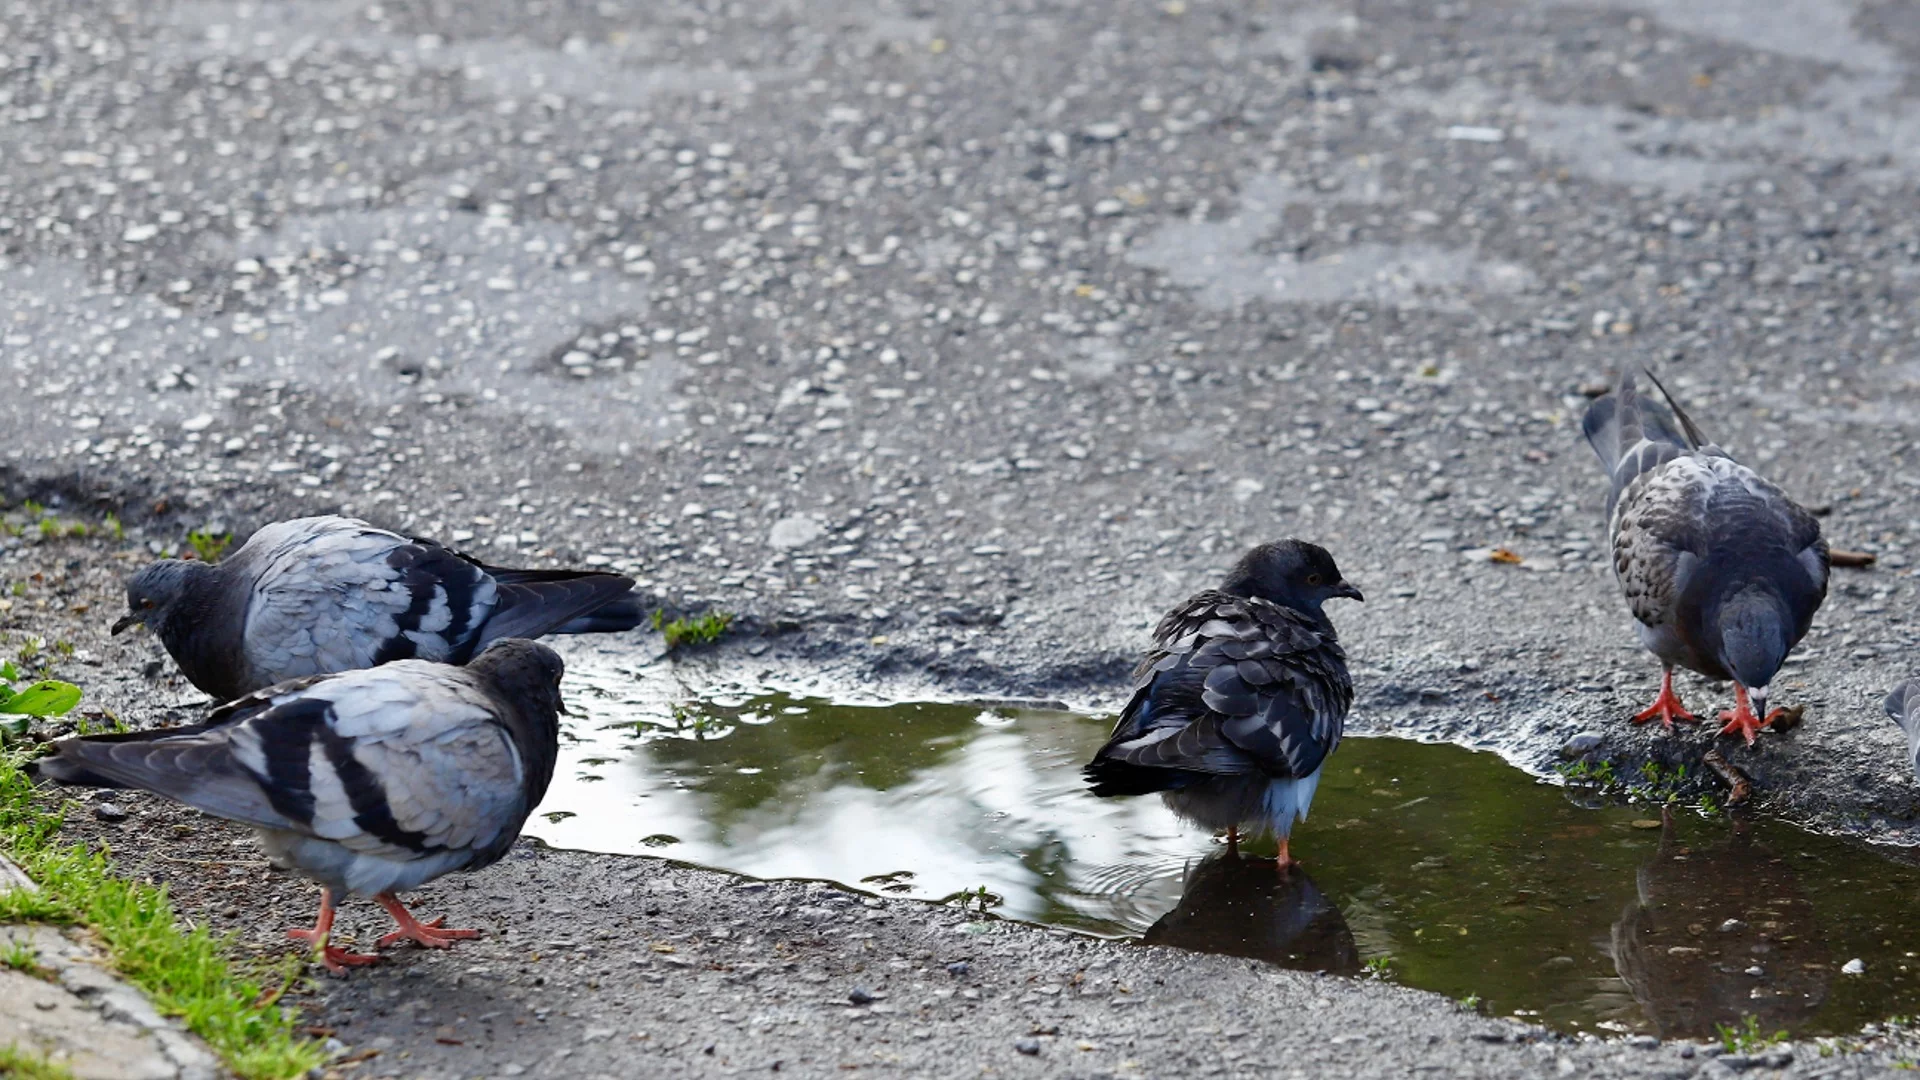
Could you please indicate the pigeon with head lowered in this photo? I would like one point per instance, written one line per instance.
(370, 782)
(324, 594)
(1240, 700)
(1721, 570)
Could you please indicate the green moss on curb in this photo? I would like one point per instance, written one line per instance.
(186, 973)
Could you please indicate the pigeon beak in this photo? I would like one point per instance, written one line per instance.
(124, 621)
(1347, 590)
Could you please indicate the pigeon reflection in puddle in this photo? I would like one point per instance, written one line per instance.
(1236, 905)
(1704, 920)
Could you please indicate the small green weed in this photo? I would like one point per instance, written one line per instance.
(977, 898)
(701, 631)
(18, 1064)
(1746, 1036)
(702, 724)
(25, 959)
(1380, 967)
(113, 527)
(48, 697)
(208, 546)
(1595, 774)
(1471, 1002)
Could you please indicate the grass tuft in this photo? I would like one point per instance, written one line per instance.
(704, 630)
(209, 546)
(185, 973)
(1746, 1036)
(18, 1064)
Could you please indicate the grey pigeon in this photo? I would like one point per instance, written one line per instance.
(1240, 700)
(324, 594)
(1720, 568)
(369, 782)
(1904, 706)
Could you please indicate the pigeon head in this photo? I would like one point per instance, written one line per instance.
(157, 595)
(526, 672)
(1755, 635)
(1291, 573)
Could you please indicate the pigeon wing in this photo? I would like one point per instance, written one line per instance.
(1659, 536)
(412, 761)
(1235, 686)
(341, 595)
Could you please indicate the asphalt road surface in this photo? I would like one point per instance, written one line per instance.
(950, 343)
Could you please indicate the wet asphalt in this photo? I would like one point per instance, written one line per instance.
(948, 344)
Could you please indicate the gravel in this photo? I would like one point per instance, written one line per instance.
(949, 344)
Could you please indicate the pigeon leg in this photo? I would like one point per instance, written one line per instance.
(1741, 720)
(335, 958)
(1667, 706)
(1284, 861)
(427, 934)
(1233, 838)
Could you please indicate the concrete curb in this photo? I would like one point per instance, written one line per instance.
(71, 1008)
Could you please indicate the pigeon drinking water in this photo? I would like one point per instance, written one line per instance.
(370, 782)
(1722, 571)
(324, 594)
(1240, 700)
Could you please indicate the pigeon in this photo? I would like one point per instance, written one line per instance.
(1904, 706)
(1722, 571)
(1240, 700)
(318, 595)
(370, 782)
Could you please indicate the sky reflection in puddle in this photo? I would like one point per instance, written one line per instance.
(1471, 877)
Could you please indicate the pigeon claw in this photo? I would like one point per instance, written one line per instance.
(1666, 707)
(336, 959)
(1740, 720)
(429, 935)
(1284, 860)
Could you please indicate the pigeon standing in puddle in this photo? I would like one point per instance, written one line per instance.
(1240, 700)
(324, 594)
(1721, 570)
(370, 782)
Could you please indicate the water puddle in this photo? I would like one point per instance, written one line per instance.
(1455, 871)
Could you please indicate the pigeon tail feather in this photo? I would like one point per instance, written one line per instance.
(531, 609)
(1110, 778)
(1695, 440)
(198, 770)
(1620, 421)
(1897, 702)
(609, 618)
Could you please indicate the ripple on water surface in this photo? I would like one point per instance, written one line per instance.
(1469, 876)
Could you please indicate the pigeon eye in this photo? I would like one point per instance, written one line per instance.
(146, 605)
(1313, 579)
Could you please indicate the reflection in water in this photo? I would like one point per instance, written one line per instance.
(1474, 878)
(1718, 933)
(1237, 905)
